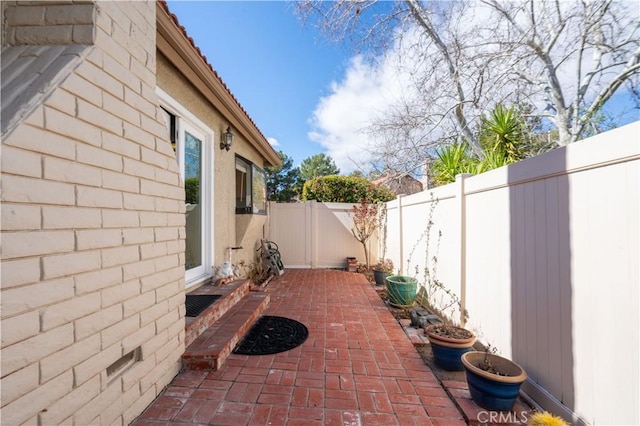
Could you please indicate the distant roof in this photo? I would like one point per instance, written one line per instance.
(400, 183)
(391, 176)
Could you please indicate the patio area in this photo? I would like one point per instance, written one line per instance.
(357, 366)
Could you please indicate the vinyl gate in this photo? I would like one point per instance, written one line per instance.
(315, 235)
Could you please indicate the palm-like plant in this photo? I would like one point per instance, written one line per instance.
(504, 138)
(506, 133)
(452, 160)
(492, 160)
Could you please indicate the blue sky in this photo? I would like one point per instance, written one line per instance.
(299, 88)
(277, 69)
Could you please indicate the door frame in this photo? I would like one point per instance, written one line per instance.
(188, 122)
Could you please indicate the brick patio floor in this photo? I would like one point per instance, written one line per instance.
(357, 367)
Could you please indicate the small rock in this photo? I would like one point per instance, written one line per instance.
(420, 317)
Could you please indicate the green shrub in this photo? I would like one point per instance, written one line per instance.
(345, 189)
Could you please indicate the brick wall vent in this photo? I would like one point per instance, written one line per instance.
(123, 364)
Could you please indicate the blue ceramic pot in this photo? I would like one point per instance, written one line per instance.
(379, 276)
(492, 391)
(449, 358)
(447, 351)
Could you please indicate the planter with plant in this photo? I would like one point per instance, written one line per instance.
(448, 344)
(494, 382)
(382, 270)
(401, 290)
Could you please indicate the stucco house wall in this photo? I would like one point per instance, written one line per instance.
(92, 286)
(230, 230)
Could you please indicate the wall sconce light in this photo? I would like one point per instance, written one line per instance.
(227, 139)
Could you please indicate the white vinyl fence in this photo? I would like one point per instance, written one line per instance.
(315, 235)
(543, 255)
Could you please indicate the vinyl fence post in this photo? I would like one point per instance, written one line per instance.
(314, 234)
(400, 233)
(462, 206)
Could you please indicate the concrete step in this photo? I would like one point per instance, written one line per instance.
(230, 294)
(214, 345)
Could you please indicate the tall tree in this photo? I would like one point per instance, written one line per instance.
(283, 182)
(318, 165)
(461, 58)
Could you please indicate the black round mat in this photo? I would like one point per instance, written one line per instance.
(270, 335)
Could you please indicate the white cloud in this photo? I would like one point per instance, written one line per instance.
(367, 90)
(340, 117)
(273, 141)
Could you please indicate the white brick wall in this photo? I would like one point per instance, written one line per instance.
(92, 225)
(91, 325)
(48, 23)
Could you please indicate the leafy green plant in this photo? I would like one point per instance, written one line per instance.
(344, 189)
(506, 133)
(318, 165)
(283, 182)
(492, 160)
(505, 138)
(451, 160)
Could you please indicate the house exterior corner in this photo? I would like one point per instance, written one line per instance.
(98, 208)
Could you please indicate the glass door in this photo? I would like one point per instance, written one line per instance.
(193, 195)
(197, 202)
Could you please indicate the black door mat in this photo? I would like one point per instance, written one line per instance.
(196, 303)
(270, 335)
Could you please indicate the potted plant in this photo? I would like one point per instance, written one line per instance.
(494, 382)
(382, 270)
(448, 344)
(401, 290)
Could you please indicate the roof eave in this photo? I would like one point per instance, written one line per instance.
(173, 42)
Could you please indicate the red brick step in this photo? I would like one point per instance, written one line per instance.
(230, 294)
(214, 345)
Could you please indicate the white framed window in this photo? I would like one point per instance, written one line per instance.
(192, 142)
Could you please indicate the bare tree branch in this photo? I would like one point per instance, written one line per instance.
(566, 58)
